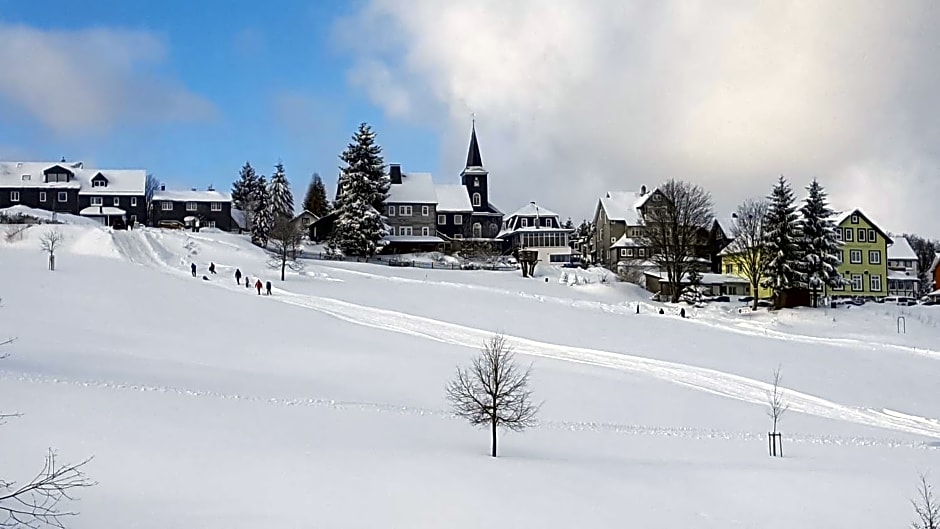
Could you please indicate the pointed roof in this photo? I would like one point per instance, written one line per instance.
(473, 154)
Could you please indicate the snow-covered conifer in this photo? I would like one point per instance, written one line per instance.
(780, 240)
(262, 215)
(819, 246)
(359, 226)
(280, 196)
(316, 201)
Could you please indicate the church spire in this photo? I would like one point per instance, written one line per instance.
(473, 155)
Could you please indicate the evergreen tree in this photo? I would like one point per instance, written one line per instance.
(280, 196)
(359, 226)
(316, 202)
(819, 246)
(780, 240)
(262, 214)
(569, 224)
(243, 188)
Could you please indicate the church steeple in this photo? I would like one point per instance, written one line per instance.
(473, 154)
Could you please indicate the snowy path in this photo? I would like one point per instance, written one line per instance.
(702, 379)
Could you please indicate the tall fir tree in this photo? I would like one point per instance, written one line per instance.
(262, 214)
(315, 201)
(819, 246)
(243, 188)
(359, 225)
(280, 196)
(780, 240)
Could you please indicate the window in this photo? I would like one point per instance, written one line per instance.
(97, 201)
(27, 178)
(861, 235)
(854, 219)
(208, 224)
(635, 232)
(494, 229)
(476, 181)
(848, 234)
(458, 220)
(856, 282)
(613, 240)
(190, 206)
(655, 197)
(166, 205)
(874, 283)
(623, 252)
(874, 257)
(14, 196)
(547, 223)
(841, 256)
(405, 230)
(458, 236)
(217, 206)
(629, 252)
(477, 230)
(729, 269)
(391, 211)
(63, 196)
(525, 223)
(838, 235)
(442, 219)
(42, 196)
(99, 183)
(425, 211)
(404, 211)
(855, 256)
(840, 285)
(641, 252)
(476, 200)
(425, 231)
(117, 201)
(133, 202)
(871, 236)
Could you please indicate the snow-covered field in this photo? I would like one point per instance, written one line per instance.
(206, 405)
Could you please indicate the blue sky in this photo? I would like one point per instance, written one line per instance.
(273, 76)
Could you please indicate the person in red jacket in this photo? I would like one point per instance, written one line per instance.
(258, 285)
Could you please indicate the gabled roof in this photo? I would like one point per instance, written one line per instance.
(192, 196)
(129, 182)
(624, 206)
(415, 188)
(305, 212)
(936, 262)
(627, 242)
(12, 174)
(533, 210)
(120, 181)
(901, 250)
(845, 217)
(452, 197)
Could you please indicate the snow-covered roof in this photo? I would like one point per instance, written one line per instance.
(624, 206)
(241, 220)
(120, 182)
(31, 175)
(415, 188)
(92, 211)
(452, 197)
(532, 210)
(413, 238)
(707, 278)
(533, 229)
(901, 250)
(193, 196)
(898, 275)
(626, 242)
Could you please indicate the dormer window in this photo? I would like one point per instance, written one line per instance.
(99, 183)
(525, 222)
(27, 178)
(655, 197)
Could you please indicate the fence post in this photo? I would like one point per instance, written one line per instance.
(902, 324)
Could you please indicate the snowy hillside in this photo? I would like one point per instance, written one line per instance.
(209, 406)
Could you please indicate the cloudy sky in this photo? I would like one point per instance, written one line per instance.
(571, 98)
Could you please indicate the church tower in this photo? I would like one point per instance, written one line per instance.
(474, 176)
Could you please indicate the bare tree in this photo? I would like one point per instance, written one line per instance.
(494, 391)
(926, 507)
(677, 228)
(150, 187)
(287, 239)
(778, 405)
(50, 242)
(38, 502)
(747, 246)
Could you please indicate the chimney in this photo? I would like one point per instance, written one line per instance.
(210, 188)
(192, 188)
(642, 191)
(394, 173)
(162, 187)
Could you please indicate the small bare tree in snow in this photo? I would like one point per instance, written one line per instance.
(50, 242)
(287, 240)
(38, 502)
(926, 507)
(494, 391)
(778, 405)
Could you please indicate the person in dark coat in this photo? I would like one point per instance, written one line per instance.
(258, 285)
(211, 268)
(238, 276)
(193, 268)
(247, 283)
(682, 312)
(267, 286)
(661, 311)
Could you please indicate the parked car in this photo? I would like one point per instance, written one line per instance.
(721, 299)
(904, 301)
(746, 299)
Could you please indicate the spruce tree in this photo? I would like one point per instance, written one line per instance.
(280, 196)
(780, 241)
(359, 225)
(819, 246)
(262, 215)
(315, 201)
(243, 192)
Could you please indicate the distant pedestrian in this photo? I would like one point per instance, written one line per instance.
(267, 287)
(661, 311)
(211, 268)
(258, 285)
(193, 268)
(238, 276)
(682, 312)
(205, 278)
(247, 283)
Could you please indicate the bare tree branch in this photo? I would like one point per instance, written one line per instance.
(747, 246)
(926, 507)
(676, 228)
(49, 243)
(778, 405)
(38, 502)
(493, 391)
(287, 240)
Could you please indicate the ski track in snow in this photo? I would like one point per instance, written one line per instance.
(736, 326)
(699, 378)
(412, 411)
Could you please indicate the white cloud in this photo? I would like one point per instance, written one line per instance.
(573, 98)
(76, 82)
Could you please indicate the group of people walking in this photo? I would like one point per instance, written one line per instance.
(238, 279)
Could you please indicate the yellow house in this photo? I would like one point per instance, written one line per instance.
(731, 265)
(864, 257)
